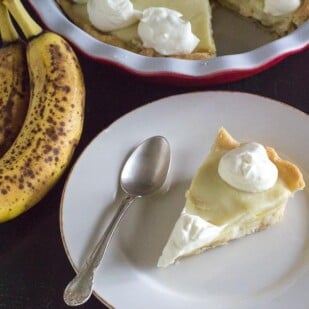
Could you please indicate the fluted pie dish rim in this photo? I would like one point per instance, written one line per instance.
(171, 70)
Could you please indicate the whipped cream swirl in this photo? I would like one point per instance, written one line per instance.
(248, 168)
(166, 32)
(110, 15)
(280, 7)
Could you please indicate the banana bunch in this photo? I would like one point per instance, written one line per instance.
(53, 122)
(14, 82)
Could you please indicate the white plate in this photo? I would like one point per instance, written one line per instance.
(247, 50)
(269, 268)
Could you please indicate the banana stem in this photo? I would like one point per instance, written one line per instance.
(8, 32)
(28, 26)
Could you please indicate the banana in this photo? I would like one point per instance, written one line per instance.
(14, 83)
(54, 120)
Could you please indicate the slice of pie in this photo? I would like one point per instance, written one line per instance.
(219, 209)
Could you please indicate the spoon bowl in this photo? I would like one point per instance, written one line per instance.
(144, 173)
(146, 169)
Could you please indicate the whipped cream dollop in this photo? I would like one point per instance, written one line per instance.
(280, 7)
(166, 32)
(109, 15)
(190, 233)
(248, 168)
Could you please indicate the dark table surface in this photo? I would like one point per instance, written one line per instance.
(34, 268)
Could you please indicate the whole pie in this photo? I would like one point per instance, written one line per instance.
(198, 13)
(217, 212)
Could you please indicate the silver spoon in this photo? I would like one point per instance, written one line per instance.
(144, 173)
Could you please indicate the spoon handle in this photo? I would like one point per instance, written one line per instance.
(79, 290)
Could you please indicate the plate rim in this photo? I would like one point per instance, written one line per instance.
(68, 177)
(198, 72)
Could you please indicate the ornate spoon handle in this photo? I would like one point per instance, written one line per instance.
(79, 290)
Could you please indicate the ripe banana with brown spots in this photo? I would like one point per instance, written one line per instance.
(53, 123)
(14, 83)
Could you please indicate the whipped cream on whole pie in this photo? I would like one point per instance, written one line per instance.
(110, 15)
(221, 208)
(166, 32)
(279, 16)
(281, 7)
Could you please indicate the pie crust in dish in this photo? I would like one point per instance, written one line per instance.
(198, 12)
(224, 212)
